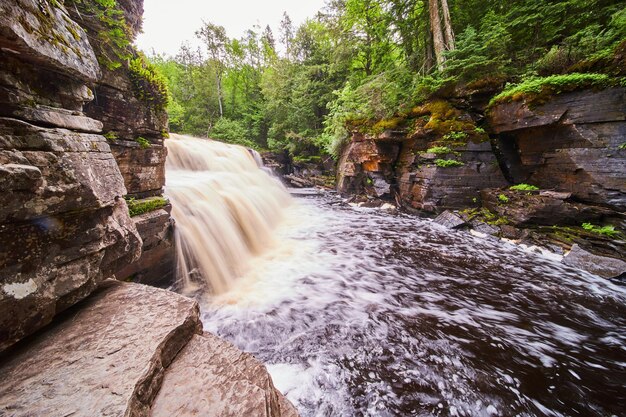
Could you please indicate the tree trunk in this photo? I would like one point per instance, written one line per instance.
(447, 25)
(219, 95)
(435, 28)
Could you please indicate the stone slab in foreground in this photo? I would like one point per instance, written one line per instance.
(105, 357)
(226, 382)
(108, 356)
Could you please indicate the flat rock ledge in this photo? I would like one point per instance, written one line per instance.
(134, 350)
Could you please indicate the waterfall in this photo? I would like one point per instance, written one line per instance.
(225, 207)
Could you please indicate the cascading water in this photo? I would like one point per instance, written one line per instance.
(225, 207)
(358, 312)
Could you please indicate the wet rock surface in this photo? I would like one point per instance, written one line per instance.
(600, 265)
(104, 357)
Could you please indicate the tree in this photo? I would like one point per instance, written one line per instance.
(215, 40)
(286, 33)
(443, 39)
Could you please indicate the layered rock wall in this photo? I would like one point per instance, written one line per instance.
(571, 143)
(135, 128)
(64, 225)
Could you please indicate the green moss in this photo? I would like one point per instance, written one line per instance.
(165, 134)
(524, 187)
(455, 136)
(110, 136)
(149, 85)
(503, 199)
(538, 90)
(387, 124)
(138, 207)
(485, 215)
(448, 163)
(143, 142)
(439, 150)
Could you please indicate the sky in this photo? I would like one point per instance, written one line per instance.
(169, 23)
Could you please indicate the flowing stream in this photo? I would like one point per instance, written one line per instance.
(359, 312)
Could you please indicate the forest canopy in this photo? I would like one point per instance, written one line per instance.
(373, 60)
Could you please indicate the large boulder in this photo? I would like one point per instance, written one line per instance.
(133, 350)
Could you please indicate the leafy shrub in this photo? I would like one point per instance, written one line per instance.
(110, 136)
(536, 90)
(524, 187)
(148, 83)
(448, 163)
(138, 207)
(604, 230)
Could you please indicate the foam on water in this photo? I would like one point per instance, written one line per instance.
(360, 312)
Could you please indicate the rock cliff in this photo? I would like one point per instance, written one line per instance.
(570, 148)
(80, 135)
(64, 225)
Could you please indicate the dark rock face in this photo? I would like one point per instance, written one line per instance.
(64, 226)
(395, 164)
(425, 186)
(569, 144)
(157, 263)
(600, 265)
(365, 164)
(143, 169)
(540, 208)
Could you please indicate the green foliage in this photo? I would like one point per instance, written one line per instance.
(524, 187)
(536, 90)
(231, 131)
(622, 146)
(455, 136)
(113, 43)
(439, 150)
(503, 199)
(448, 163)
(367, 66)
(604, 230)
(149, 85)
(143, 142)
(138, 207)
(111, 136)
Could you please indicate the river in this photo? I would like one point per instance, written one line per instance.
(361, 312)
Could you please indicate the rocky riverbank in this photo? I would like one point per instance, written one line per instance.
(564, 158)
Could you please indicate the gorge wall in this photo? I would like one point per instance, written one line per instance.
(82, 133)
(64, 224)
(456, 155)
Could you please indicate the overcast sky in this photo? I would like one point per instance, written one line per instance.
(169, 23)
